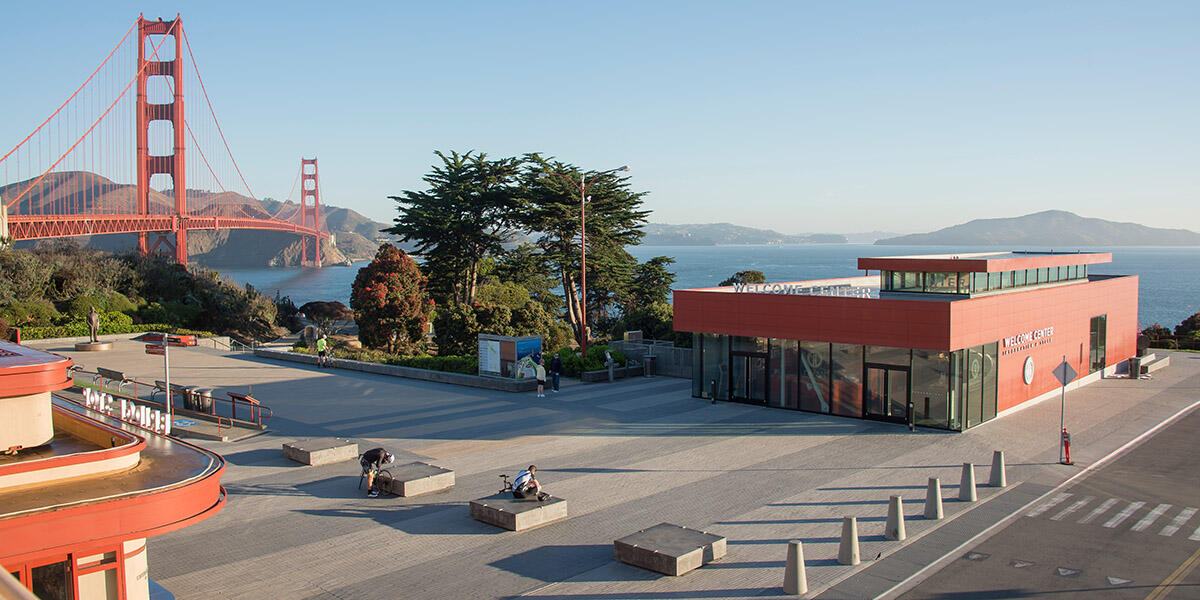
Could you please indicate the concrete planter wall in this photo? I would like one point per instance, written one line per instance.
(487, 383)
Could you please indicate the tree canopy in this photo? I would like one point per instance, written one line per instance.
(467, 213)
(389, 302)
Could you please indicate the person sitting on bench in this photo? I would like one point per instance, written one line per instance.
(527, 486)
(372, 460)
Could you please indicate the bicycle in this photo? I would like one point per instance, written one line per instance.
(508, 489)
(382, 481)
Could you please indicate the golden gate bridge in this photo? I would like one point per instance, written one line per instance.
(115, 158)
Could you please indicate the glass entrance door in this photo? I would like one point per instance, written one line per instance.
(748, 377)
(886, 394)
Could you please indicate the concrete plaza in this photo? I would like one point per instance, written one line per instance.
(626, 455)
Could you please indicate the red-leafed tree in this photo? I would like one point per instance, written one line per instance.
(389, 302)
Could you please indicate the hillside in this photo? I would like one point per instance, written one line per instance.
(355, 236)
(1055, 228)
(714, 234)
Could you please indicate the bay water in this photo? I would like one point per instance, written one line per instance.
(1169, 277)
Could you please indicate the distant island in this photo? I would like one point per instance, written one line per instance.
(714, 234)
(1054, 228)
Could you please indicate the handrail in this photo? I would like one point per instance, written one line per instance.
(255, 407)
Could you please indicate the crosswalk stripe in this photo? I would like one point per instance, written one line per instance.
(1195, 537)
(1178, 521)
(1124, 514)
(1078, 504)
(1055, 501)
(1150, 518)
(1099, 510)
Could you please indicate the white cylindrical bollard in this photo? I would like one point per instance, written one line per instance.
(933, 499)
(966, 486)
(997, 478)
(795, 581)
(848, 550)
(895, 520)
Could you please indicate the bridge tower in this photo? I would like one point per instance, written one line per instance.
(310, 215)
(172, 164)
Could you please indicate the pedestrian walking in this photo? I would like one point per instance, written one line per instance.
(322, 347)
(555, 372)
(540, 370)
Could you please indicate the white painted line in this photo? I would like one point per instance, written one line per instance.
(1178, 521)
(1195, 537)
(1099, 510)
(1150, 518)
(1124, 514)
(1072, 508)
(1055, 501)
(909, 581)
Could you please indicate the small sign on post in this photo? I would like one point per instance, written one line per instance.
(1065, 374)
(156, 349)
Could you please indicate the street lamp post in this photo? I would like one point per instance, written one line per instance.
(583, 198)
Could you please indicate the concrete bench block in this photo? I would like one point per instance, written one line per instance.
(669, 549)
(320, 451)
(418, 478)
(506, 512)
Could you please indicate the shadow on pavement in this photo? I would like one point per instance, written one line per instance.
(559, 563)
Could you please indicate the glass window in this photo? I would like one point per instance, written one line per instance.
(1099, 335)
(964, 283)
(716, 365)
(1019, 278)
(777, 368)
(697, 366)
(931, 388)
(957, 388)
(991, 357)
(941, 283)
(847, 379)
(993, 281)
(53, 581)
(979, 282)
(906, 281)
(749, 344)
(1006, 279)
(791, 370)
(885, 280)
(974, 398)
(1044, 275)
(1085, 272)
(885, 355)
(814, 377)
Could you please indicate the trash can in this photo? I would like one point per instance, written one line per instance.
(1135, 367)
(650, 363)
(203, 399)
(189, 396)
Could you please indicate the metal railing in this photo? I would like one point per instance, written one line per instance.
(188, 396)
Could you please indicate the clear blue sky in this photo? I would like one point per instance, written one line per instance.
(830, 117)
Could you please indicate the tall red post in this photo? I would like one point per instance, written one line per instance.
(172, 164)
(310, 216)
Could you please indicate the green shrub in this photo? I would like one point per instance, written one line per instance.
(452, 364)
(572, 365)
(80, 306)
(80, 329)
(30, 313)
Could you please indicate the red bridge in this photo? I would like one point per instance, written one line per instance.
(83, 172)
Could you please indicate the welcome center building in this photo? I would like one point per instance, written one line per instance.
(964, 337)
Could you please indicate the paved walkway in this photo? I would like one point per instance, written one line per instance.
(626, 456)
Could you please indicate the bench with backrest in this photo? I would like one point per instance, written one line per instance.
(105, 375)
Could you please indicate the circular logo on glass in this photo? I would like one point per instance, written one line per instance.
(1028, 370)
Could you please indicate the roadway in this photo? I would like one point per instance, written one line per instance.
(1129, 529)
